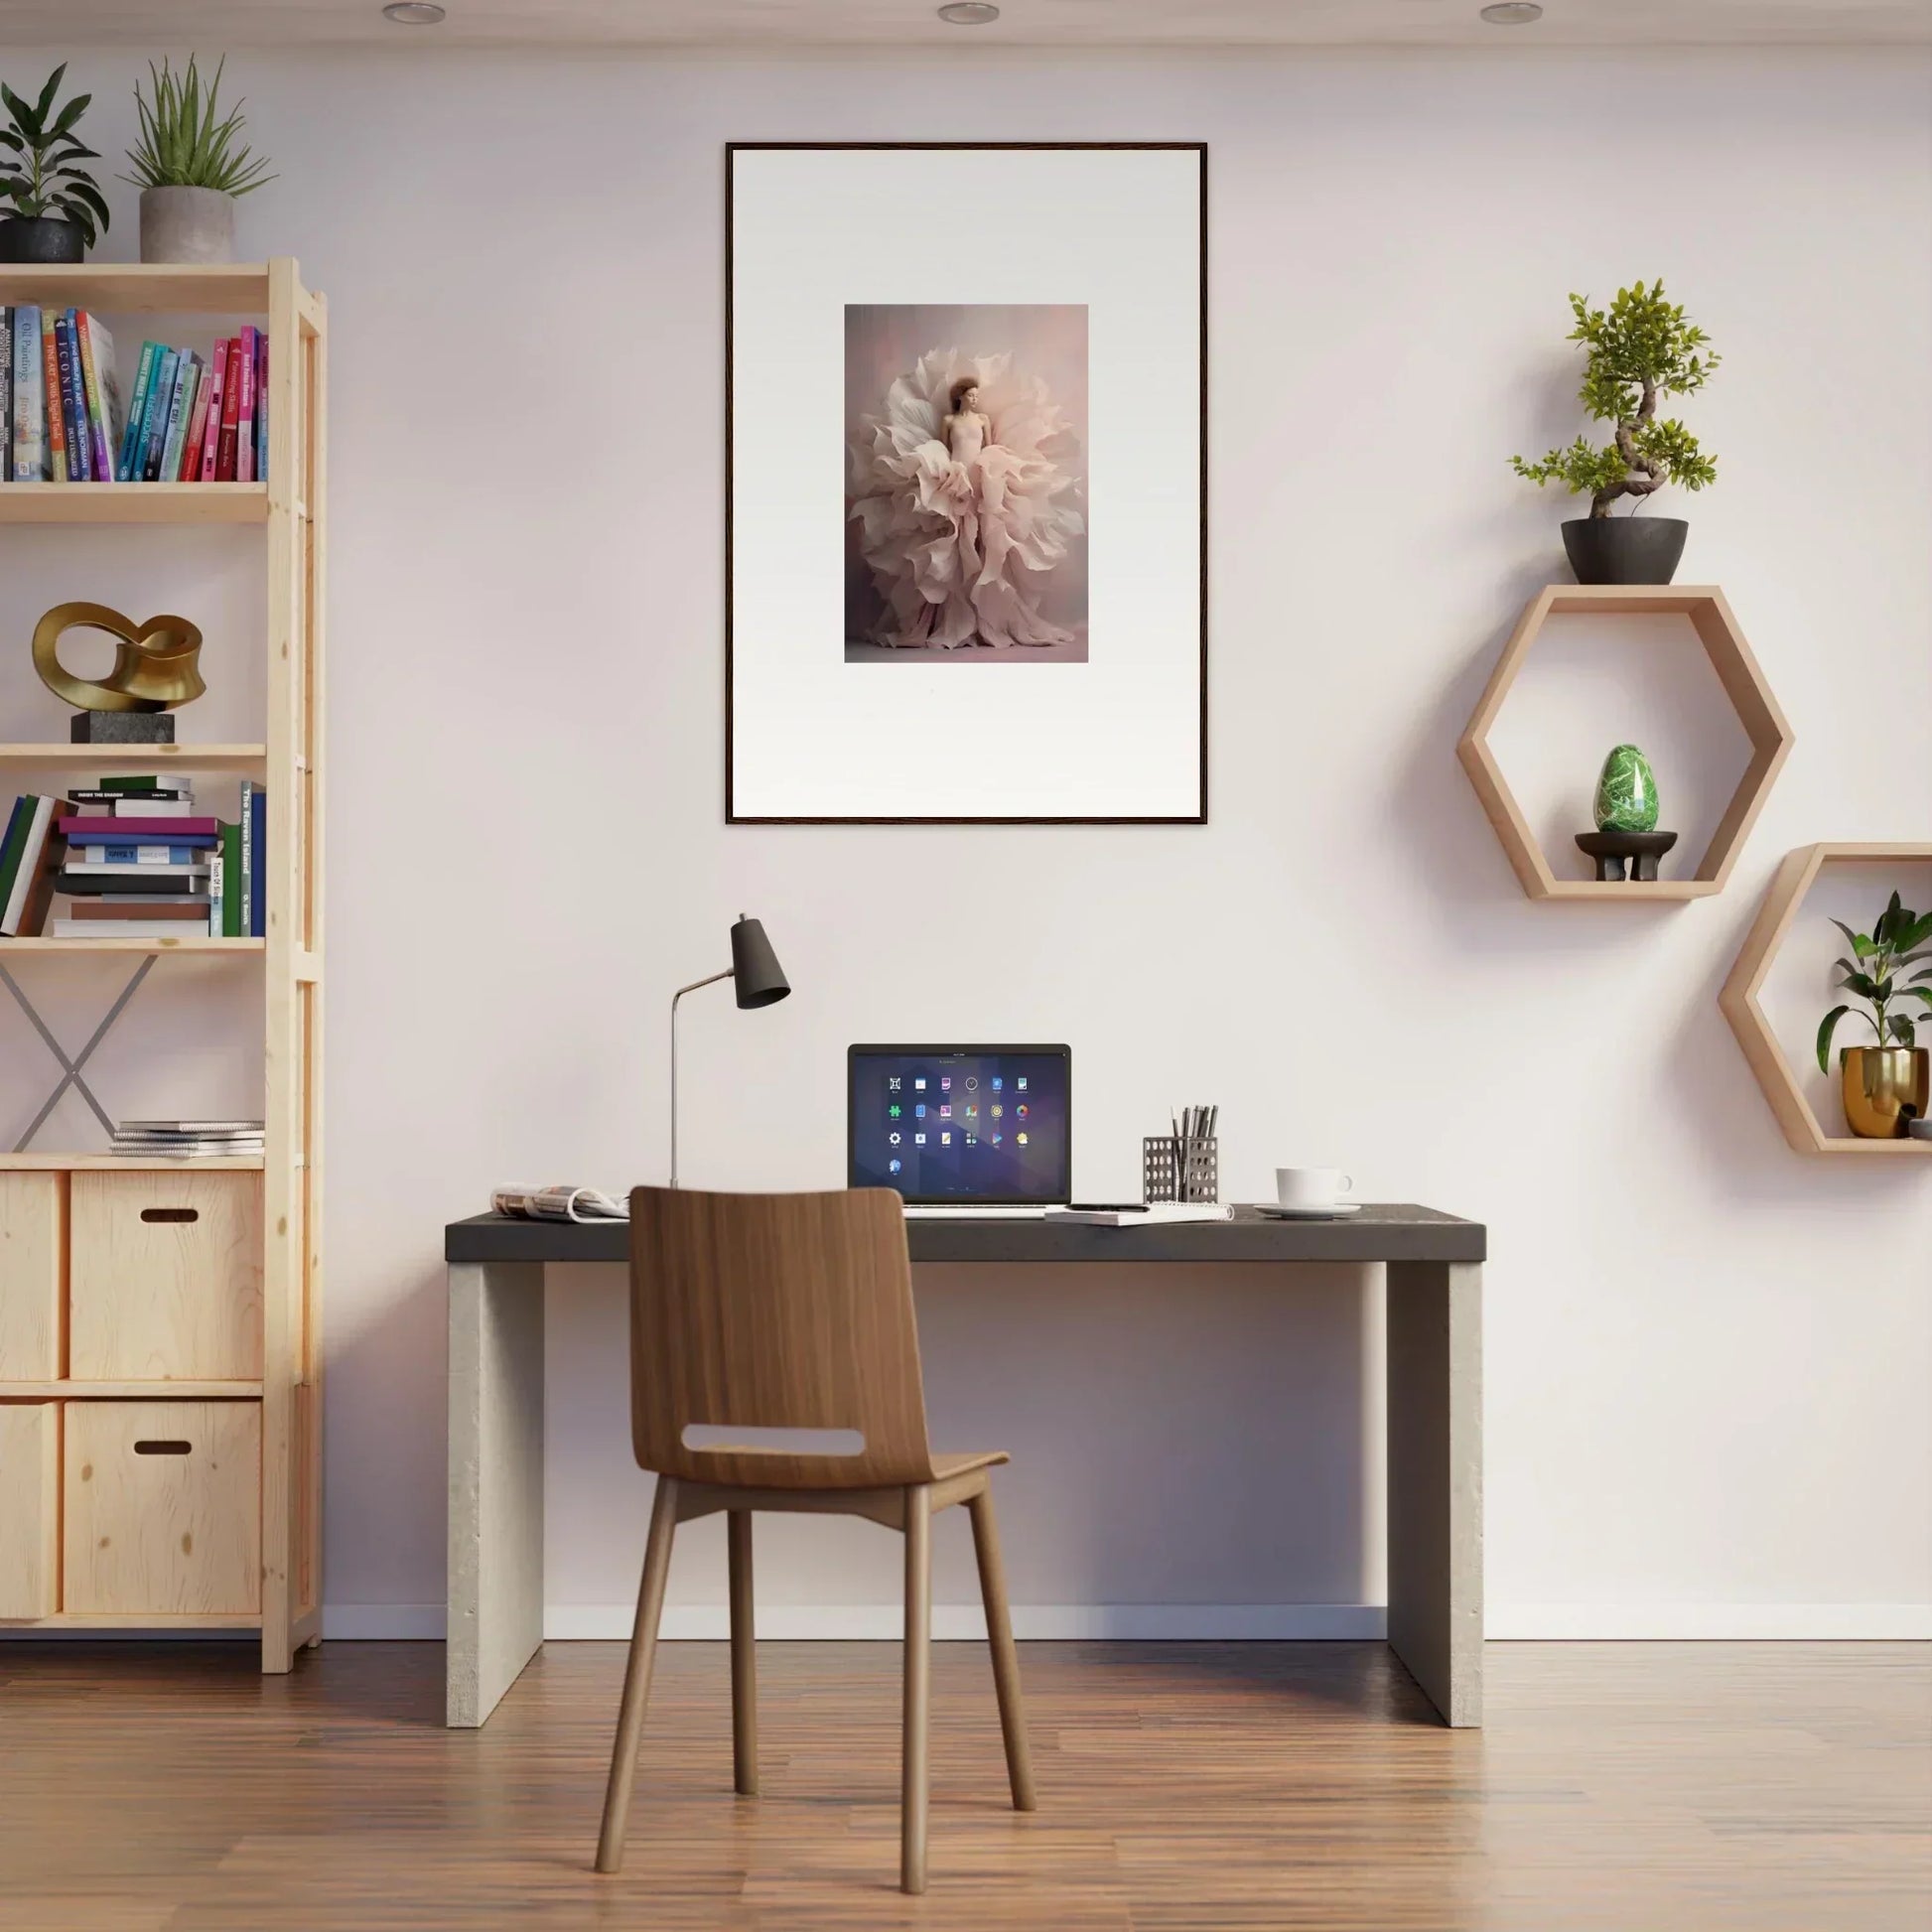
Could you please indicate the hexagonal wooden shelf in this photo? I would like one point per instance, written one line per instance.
(1743, 683)
(1738, 999)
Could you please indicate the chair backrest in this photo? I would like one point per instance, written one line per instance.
(775, 1312)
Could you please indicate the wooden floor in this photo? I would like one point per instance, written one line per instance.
(1634, 1788)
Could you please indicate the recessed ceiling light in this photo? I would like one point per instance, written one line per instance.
(969, 13)
(414, 12)
(1512, 12)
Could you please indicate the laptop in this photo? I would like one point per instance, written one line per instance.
(962, 1130)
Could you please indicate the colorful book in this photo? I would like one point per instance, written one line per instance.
(6, 394)
(16, 834)
(230, 415)
(154, 831)
(57, 436)
(103, 390)
(72, 928)
(255, 864)
(30, 417)
(217, 369)
(134, 855)
(126, 468)
(93, 882)
(190, 466)
(229, 898)
(154, 418)
(143, 906)
(179, 411)
(244, 460)
(74, 415)
(34, 877)
(261, 406)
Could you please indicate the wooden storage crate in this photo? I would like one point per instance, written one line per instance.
(33, 1245)
(164, 1281)
(30, 1503)
(162, 1508)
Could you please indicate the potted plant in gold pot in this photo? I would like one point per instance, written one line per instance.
(1889, 1084)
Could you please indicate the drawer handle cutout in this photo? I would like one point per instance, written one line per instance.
(171, 1213)
(164, 1446)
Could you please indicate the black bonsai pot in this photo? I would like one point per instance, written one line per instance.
(1624, 549)
(40, 238)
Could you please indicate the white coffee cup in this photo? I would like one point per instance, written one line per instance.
(1311, 1187)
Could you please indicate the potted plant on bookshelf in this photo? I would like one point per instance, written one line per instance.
(1885, 1085)
(1637, 352)
(189, 168)
(53, 211)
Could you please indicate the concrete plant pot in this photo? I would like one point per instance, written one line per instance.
(187, 224)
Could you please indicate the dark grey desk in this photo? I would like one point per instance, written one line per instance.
(1435, 1403)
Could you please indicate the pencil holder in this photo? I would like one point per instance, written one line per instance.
(1179, 1169)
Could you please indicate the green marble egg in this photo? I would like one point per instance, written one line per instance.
(1626, 792)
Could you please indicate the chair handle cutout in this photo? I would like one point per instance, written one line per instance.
(171, 1213)
(741, 1439)
(163, 1445)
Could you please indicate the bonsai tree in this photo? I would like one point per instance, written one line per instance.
(1899, 939)
(38, 178)
(1638, 351)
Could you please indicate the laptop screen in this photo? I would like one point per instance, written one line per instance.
(973, 1124)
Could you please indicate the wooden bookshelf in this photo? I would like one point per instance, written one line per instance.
(1740, 1001)
(72, 1209)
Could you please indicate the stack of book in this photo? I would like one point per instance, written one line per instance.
(187, 1139)
(189, 418)
(137, 862)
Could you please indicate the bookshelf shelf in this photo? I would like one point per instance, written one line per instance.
(133, 502)
(128, 1164)
(199, 942)
(273, 1200)
(244, 759)
(181, 1391)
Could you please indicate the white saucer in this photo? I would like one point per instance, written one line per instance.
(1269, 1211)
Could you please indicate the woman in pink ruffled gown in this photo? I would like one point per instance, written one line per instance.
(959, 492)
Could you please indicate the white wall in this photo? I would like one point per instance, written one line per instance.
(1706, 1359)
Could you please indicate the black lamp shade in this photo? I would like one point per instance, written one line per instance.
(756, 976)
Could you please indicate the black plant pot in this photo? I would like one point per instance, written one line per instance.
(40, 238)
(1624, 549)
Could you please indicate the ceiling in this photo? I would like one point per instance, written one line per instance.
(1034, 23)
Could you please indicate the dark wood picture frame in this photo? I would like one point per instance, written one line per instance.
(732, 150)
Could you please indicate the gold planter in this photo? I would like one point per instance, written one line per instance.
(1884, 1088)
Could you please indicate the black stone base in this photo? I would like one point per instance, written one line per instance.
(1610, 850)
(122, 727)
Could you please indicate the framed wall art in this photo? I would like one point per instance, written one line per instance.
(966, 482)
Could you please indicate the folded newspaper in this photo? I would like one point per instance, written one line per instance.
(558, 1204)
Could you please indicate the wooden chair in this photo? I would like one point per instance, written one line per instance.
(764, 1312)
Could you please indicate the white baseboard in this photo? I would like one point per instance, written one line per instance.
(1709, 1622)
(1201, 1622)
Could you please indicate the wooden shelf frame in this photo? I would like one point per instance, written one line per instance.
(288, 506)
(1738, 999)
(1766, 725)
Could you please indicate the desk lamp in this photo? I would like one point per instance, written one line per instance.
(759, 981)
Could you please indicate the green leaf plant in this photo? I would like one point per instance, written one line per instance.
(183, 144)
(1638, 351)
(1875, 973)
(39, 148)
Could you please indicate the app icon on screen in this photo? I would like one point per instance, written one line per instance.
(919, 1110)
(892, 1111)
(891, 1083)
(945, 1112)
(918, 1083)
(997, 1083)
(945, 1083)
(972, 1140)
(945, 1140)
(892, 1137)
(998, 1110)
(919, 1139)
(1019, 1112)
(972, 1080)
(996, 1140)
(893, 1166)
(972, 1113)
(1020, 1138)
(1020, 1085)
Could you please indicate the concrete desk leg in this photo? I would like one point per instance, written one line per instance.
(1435, 1327)
(495, 1587)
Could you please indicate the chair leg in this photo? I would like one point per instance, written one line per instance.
(744, 1672)
(636, 1676)
(1006, 1660)
(917, 1710)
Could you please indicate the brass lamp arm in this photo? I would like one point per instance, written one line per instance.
(711, 980)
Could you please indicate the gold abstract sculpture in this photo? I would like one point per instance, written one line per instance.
(154, 663)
